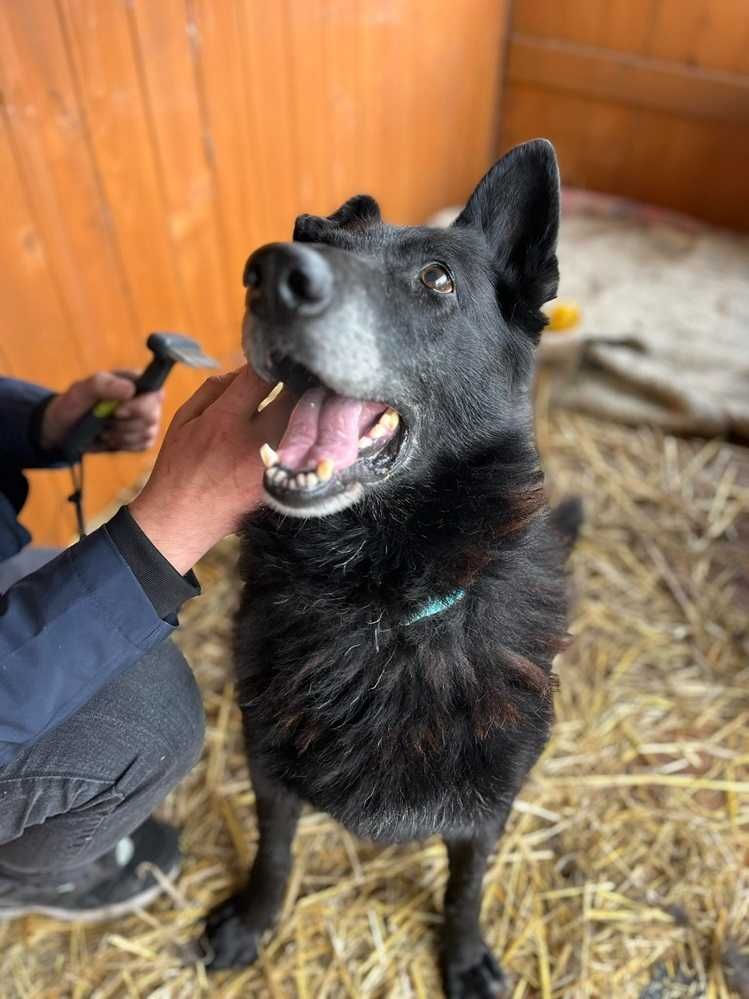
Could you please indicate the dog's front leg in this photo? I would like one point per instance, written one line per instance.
(234, 928)
(469, 969)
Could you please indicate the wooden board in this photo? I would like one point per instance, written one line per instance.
(644, 98)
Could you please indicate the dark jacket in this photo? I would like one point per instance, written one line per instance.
(79, 621)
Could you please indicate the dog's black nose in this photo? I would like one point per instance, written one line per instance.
(286, 279)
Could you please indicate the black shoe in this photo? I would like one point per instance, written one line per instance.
(111, 886)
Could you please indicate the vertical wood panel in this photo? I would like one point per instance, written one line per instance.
(175, 107)
(49, 138)
(106, 70)
(645, 98)
(30, 302)
(150, 145)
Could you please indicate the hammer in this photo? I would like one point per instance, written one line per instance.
(167, 349)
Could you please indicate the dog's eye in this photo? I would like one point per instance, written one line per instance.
(438, 278)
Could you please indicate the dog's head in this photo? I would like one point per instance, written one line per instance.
(407, 347)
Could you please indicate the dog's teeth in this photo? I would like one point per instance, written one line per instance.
(292, 483)
(268, 456)
(378, 430)
(325, 469)
(312, 480)
(390, 419)
(364, 442)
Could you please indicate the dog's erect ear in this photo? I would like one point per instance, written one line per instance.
(516, 205)
(357, 213)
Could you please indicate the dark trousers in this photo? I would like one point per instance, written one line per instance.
(71, 796)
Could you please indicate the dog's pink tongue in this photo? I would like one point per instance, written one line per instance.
(325, 425)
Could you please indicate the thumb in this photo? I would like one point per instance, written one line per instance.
(103, 385)
(245, 393)
(211, 390)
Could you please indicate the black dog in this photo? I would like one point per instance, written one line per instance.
(394, 647)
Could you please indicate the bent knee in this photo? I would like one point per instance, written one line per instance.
(156, 705)
(178, 703)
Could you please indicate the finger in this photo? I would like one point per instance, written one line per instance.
(211, 390)
(139, 446)
(147, 405)
(129, 442)
(126, 435)
(123, 429)
(105, 385)
(245, 393)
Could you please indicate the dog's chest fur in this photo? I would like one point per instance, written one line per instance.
(398, 730)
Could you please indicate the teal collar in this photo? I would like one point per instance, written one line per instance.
(435, 606)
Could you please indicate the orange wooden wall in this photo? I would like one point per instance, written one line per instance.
(645, 98)
(149, 145)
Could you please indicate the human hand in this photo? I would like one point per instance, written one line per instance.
(208, 473)
(133, 426)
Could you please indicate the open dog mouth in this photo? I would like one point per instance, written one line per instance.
(333, 448)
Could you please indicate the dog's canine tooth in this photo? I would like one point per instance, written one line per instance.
(268, 456)
(378, 430)
(325, 469)
(390, 419)
(364, 442)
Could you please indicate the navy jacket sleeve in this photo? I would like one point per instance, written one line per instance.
(78, 622)
(21, 407)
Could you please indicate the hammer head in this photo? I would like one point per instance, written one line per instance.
(178, 347)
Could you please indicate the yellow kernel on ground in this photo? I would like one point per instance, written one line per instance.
(563, 316)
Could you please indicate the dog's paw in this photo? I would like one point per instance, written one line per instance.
(229, 941)
(481, 979)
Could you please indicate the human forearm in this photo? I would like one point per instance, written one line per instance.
(21, 405)
(65, 631)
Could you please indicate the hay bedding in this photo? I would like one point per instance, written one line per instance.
(624, 868)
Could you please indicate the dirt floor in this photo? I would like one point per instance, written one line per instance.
(624, 871)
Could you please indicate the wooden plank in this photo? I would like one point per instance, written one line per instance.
(702, 33)
(49, 134)
(236, 149)
(620, 25)
(111, 96)
(699, 33)
(723, 44)
(649, 155)
(628, 79)
(457, 155)
(180, 136)
(31, 302)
